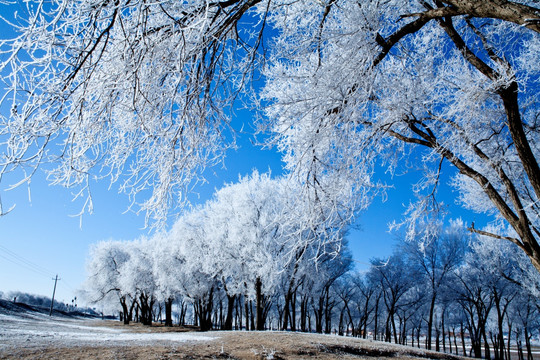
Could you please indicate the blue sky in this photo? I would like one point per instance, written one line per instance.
(40, 238)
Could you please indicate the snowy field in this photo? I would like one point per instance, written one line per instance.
(32, 334)
(40, 330)
(29, 333)
(38, 336)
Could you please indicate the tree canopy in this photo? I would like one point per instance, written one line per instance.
(142, 93)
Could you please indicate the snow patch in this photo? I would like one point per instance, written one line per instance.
(16, 331)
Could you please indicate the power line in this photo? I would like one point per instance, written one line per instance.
(68, 286)
(19, 260)
(23, 262)
(23, 265)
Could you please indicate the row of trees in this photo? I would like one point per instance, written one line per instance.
(250, 239)
(234, 263)
(479, 292)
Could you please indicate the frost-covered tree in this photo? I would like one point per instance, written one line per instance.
(200, 270)
(367, 292)
(242, 245)
(394, 277)
(473, 289)
(439, 84)
(140, 93)
(511, 279)
(106, 269)
(131, 91)
(138, 277)
(170, 272)
(436, 258)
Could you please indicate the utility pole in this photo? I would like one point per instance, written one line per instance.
(54, 291)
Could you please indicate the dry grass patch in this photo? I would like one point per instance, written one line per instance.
(224, 345)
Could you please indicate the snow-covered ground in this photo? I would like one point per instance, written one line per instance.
(41, 330)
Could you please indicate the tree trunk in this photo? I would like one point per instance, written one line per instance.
(146, 304)
(430, 322)
(239, 314)
(303, 314)
(230, 311)
(463, 339)
(252, 316)
(286, 315)
(293, 311)
(125, 311)
(455, 340)
(204, 310)
(508, 354)
(500, 321)
(259, 304)
(328, 313)
(437, 339)
(246, 311)
(319, 315)
(449, 340)
(528, 344)
(340, 324)
(376, 319)
(486, 343)
(442, 329)
(168, 312)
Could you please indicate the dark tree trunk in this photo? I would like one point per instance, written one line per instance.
(376, 329)
(430, 322)
(204, 310)
(486, 343)
(519, 345)
(449, 340)
(146, 303)
(293, 311)
(303, 314)
(259, 304)
(318, 311)
(285, 321)
(437, 339)
(442, 329)
(528, 344)
(239, 313)
(340, 324)
(168, 312)
(230, 311)
(125, 310)
(463, 339)
(246, 312)
(394, 327)
(252, 315)
(328, 313)
(508, 354)
(455, 340)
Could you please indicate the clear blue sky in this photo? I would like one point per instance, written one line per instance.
(40, 239)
